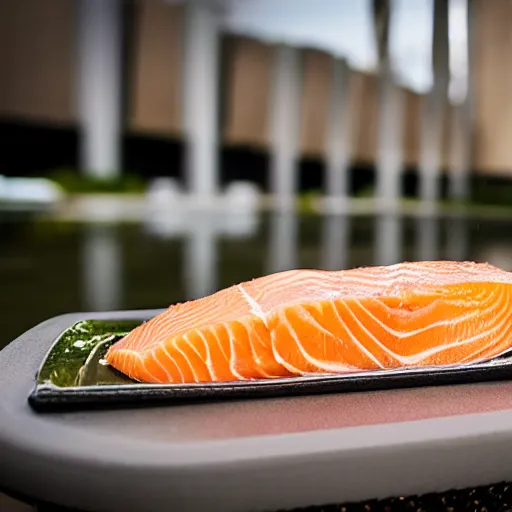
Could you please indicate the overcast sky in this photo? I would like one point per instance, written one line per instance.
(343, 27)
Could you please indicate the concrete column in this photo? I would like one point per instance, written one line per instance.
(460, 154)
(461, 157)
(389, 140)
(99, 86)
(389, 157)
(337, 150)
(434, 107)
(201, 95)
(284, 125)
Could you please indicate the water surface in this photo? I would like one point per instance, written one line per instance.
(49, 268)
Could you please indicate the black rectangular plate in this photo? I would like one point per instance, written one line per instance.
(71, 376)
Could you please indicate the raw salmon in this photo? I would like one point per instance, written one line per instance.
(301, 322)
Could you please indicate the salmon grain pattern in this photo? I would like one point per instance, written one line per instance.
(302, 322)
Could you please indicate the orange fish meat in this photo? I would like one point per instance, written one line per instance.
(301, 322)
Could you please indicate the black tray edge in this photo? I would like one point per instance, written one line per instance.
(47, 399)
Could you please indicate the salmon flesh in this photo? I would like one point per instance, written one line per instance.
(302, 322)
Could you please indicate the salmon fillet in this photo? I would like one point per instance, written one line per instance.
(301, 322)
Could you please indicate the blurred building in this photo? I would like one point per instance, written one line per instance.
(41, 90)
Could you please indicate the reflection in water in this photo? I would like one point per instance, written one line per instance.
(427, 238)
(165, 226)
(111, 276)
(388, 238)
(457, 243)
(201, 260)
(102, 268)
(102, 254)
(200, 246)
(201, 232)
(335, 244)
(283, 242)
(240, 225)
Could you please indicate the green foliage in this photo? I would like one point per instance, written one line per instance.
(75, 182)
(306, 201)
(483, 191)
(365, 192)
(488, 193)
